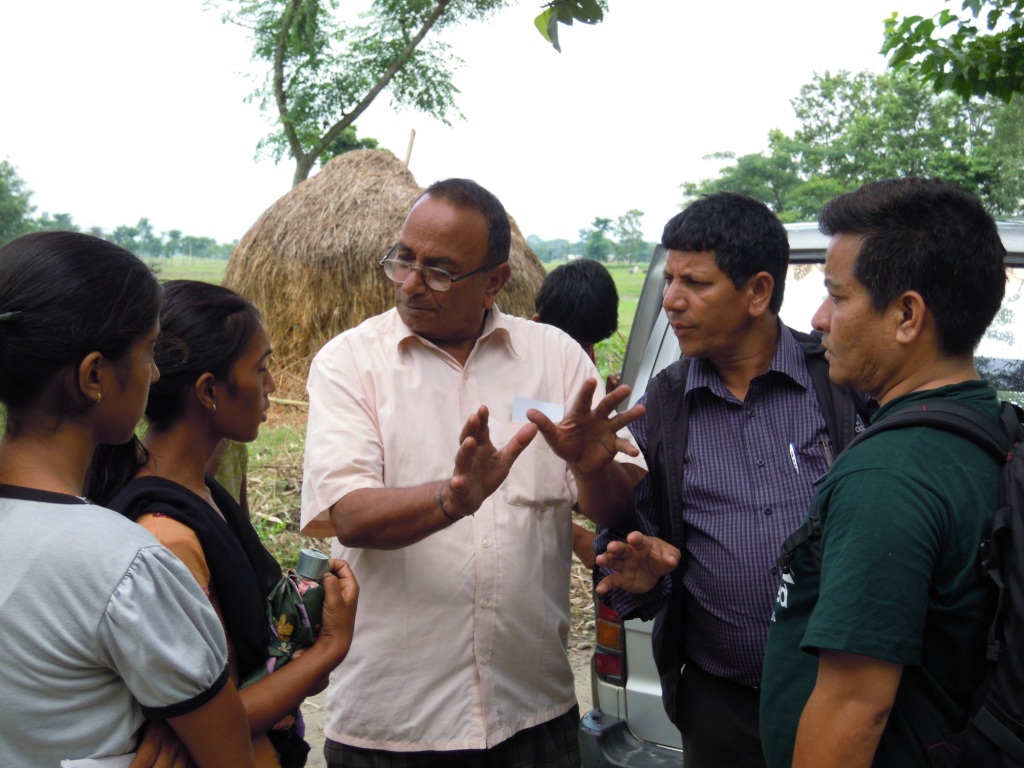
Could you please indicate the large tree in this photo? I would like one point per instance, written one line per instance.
(15, 208)
(549, 250)
(856, 128)
(977, 51)
(594, 239)
(58, 222)
(323, 75)
(629, 237)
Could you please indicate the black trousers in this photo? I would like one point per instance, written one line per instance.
(718, 720)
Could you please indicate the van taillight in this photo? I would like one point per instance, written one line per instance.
(608, 658)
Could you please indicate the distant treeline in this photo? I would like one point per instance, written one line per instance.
(16, 219)
(606, 239)
(142, 239)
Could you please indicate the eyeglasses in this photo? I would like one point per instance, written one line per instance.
(436, 278)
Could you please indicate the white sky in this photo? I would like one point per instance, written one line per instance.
(118, 109)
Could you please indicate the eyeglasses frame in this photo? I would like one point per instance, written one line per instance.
(452, 279)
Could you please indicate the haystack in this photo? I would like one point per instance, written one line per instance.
(310, 262)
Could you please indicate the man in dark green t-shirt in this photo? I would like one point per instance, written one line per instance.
(914, 274)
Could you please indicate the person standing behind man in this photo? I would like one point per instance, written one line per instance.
(735, 434)
(580, 298)
(460, 655)
(914, 273)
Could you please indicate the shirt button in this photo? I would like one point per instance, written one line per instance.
(760, 462)
(485, 603)
(774, 570)
(750, 413)
(484, 659)
(486, 542)
(767, 510)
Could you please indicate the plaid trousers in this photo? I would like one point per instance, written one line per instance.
(554, 744)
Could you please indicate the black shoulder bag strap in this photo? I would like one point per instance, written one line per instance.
(845, 415)
(668, 423)
(669, 418)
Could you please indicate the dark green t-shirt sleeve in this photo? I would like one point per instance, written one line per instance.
(880, 543)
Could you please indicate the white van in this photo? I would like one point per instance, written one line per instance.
(628, 725)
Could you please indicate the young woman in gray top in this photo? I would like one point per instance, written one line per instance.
(102, 627)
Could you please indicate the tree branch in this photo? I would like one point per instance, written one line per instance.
(279, 93)
(386, 77)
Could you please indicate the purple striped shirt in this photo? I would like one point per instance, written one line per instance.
(747, 481)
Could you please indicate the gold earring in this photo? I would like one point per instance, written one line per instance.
(214, 407)
(99, 396)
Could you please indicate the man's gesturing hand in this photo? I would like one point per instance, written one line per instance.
(638, 563)
(586, 438)
(480, 467)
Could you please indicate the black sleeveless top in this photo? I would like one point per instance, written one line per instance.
(241, 570)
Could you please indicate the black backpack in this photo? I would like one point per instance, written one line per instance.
(994, 733)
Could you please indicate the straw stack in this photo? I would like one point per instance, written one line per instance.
(310, 262)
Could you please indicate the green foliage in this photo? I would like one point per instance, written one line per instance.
(57, 222)
(977, 52)
(274, 485)
(15, 207)
(549, 250)
(630, 245)
(346, 141)
(565, 12)
(610, 353)
(864, 127)
(323, 75)
(770, 177)
(140, 239)
(143, 241)
(1003, 152)
(594, 240)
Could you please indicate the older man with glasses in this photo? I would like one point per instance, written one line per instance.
(421, 460)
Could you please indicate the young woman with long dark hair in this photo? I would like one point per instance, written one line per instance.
(215, 383)
(101, 626)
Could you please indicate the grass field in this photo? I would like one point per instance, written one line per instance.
(275, 458)
(189, 268)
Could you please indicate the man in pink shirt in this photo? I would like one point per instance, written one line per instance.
(421, 460)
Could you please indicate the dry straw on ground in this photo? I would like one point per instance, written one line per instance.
(310, 262)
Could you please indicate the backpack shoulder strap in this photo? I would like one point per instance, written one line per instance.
(939, 413)
(948, 415)
(1001, 439)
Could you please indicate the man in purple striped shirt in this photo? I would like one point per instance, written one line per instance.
(735, 434)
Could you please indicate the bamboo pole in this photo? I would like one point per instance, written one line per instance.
(408, 151)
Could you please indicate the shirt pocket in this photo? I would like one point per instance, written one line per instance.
(538, 477)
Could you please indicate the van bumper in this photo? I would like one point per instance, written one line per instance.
(606, 742)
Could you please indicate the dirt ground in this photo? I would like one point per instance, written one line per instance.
(581, 648)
